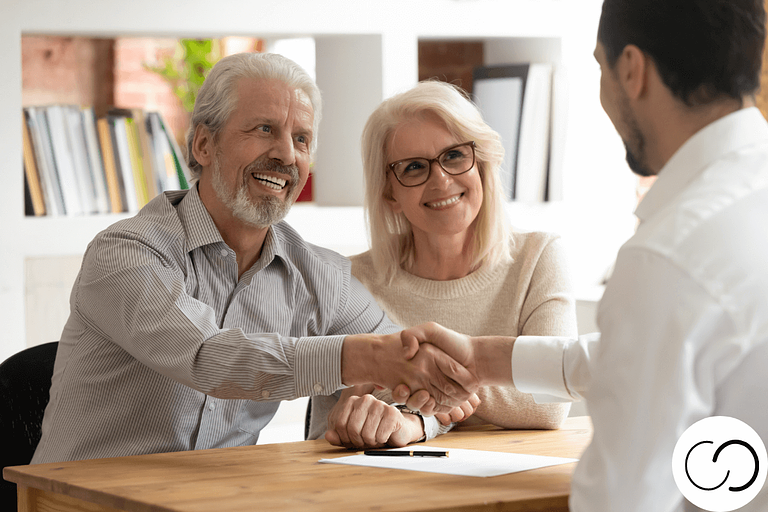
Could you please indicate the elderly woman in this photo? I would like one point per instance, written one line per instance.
(442, 251)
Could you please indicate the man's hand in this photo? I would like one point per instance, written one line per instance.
(359, 420)
(389, 360)
(487, 358)
(459, 346)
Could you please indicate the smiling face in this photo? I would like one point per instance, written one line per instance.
(260, 162)
(445, 204)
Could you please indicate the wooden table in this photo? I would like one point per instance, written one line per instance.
(288, 477)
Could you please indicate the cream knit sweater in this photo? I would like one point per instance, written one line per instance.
(531, 295)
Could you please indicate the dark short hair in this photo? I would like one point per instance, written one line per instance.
(703, 49)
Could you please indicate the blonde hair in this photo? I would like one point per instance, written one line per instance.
(390, 233)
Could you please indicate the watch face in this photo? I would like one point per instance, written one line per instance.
(404, 408)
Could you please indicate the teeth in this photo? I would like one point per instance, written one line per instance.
(446, 202)
(271, 182)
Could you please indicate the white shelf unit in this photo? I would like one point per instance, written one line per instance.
(366, 51)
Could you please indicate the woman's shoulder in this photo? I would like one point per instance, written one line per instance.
(362, 260)
(524, 242)
(362, 266)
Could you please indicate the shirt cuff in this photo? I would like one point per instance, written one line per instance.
(318, 365)
(433, 428)
(537, 368)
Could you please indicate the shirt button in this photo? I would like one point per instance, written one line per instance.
(318, 388)
(265, 394)
(223, 253)
(211, 407)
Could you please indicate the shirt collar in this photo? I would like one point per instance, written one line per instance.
(730, 133)
(197, 222)
(201, 230)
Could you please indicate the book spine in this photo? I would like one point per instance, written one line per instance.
(123, 159)
(134, 151)
(38, 131)
(145, 153)
(96, 161)
(533, 155)
(81, 166)
(110, 169)
(62, 155)
(181, 166)
(33, 177)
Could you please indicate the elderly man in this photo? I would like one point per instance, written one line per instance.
(192, 320)
(684, 317)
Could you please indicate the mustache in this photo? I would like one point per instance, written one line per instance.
(269, 165)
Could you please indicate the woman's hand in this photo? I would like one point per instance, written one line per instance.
(360, 420)
(459, 413)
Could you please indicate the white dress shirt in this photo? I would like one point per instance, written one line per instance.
(683, 323)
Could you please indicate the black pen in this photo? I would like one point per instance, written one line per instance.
(405, 453)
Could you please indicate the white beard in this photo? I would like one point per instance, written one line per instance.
(266, 210)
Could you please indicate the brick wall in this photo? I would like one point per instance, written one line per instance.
(450, 61)
(108, 72)
(138, 87)
(67, 70)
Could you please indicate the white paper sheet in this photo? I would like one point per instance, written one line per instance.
(459, 462)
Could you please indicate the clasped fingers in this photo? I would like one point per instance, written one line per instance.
(362, 422)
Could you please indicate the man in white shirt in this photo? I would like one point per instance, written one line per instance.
(684, 318)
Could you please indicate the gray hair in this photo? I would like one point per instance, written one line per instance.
(391, 234)
(217, 97)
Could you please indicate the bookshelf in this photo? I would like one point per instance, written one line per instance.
(364, 54)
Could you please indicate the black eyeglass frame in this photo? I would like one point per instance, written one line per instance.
(470, 143)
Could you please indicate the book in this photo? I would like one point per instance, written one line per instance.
(119, 132)
(498, 93)
(31, 175)
(29, 208)
(534, 143)
(182, 169)
(150, 173)
(165, 165)
(38, 131)
(137, 164)
(95, 160)
(516, 101)
(75, 164)
(559, 121)
(111, 176)
(79, 153)
(62, 157)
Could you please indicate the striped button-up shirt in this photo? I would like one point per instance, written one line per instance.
(166, 349)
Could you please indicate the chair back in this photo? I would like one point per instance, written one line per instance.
(25, 384)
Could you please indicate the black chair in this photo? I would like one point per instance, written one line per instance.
(25, 383)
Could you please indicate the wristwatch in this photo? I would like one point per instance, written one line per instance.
(404, 409)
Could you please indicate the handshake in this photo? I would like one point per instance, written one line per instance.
(428, 367)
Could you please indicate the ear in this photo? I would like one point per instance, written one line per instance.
(202, 146)
(394, 205)
(632, 69)
(389, 198)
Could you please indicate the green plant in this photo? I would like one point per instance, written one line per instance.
(187, 68)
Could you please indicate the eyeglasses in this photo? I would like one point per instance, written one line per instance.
(455, 160)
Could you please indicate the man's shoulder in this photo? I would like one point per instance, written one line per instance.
(157, 223)
(302, 253)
